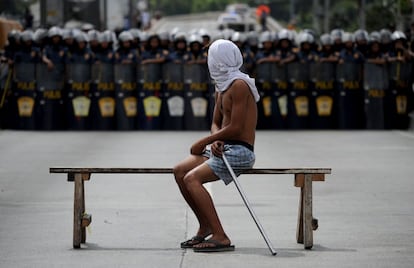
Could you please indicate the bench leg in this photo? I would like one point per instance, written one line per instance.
(307, 212)
(78, 210)
(299, 228)
(83, 228)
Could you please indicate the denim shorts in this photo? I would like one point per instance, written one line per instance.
(239, 157)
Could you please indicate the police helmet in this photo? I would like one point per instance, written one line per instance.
(27, 36)
(385, 36)
(347, 37)
(195, 38)
(40, 34)
(305, 37)
(398, 35)
(361, 35)
(93, 35)
(81, 37)
(326, 40)
(238, 37)
(125, 36)
(204, 33)
(54, 31)
(284, 34)
(265, 37)
(336, 34)
(67, 34)
(135, 33)
(180, 36)
(375, 37)
(105, 37)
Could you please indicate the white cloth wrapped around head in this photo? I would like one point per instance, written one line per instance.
(224, 62)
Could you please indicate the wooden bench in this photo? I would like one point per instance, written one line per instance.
(304, 177)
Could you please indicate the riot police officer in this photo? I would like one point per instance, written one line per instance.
(285, 52)
(361, 38)
(374, 54)
(399, 50)
(54, 52)
(180, 49)
(350, 53)
(105, 53)
(196, 54)
(267, 52)
(306, 54)
(154, 53)
(336, 35)
(125, 54)
(327, 52)
(28, 53)
(82, 53)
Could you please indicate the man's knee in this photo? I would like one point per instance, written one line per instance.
(179, 171)
(190, 180)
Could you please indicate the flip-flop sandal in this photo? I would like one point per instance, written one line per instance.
(217, 247)
(193, 241)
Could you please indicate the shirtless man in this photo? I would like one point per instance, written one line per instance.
(232, 133)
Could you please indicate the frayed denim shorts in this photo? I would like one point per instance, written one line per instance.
(239, 155)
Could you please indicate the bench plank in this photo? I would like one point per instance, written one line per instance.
(170, 170)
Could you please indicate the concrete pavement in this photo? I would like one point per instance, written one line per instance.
(364, 208)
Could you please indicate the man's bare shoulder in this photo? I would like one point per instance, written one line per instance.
(240, 87)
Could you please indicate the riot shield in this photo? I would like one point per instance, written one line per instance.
(173, 100)
(7, 103)
(350, 96)
(150, 97)
(50, 102)
(398, 96)
(103, 97)
(279, 96)
(197, 97)
(321, 99)
(78, 96)
(126, 96)
(265, 106)
(375, 85)
(298, 96)
(24, 95)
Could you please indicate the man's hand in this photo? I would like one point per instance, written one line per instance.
(198, 148)
(217, 148)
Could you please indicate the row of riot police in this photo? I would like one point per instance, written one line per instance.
(335, 96)
(177, 96)
(102, 96)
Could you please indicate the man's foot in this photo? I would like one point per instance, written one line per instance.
(213, 246)
(195, 240)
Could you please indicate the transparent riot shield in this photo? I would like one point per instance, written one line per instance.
(321, 99)
(78, 96)
(150, 97)
(126, 96)
(350, 96)
(197, 97)
(173, 107)
(298, 96)
(50, 97)
(24, 96)
(103, 97)
(398, 97)
(375, 85)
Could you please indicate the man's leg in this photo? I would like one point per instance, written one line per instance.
(194, 181)
(180, 172)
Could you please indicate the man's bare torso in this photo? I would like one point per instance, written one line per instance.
(244, 108)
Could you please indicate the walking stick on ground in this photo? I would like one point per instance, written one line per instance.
(246, 202)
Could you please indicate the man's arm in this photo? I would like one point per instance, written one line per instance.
(217, 116)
